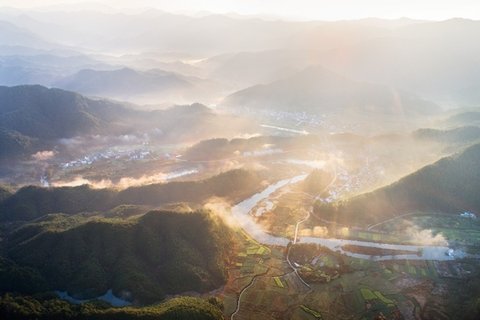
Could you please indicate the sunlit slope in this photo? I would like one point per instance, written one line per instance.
(147, 257)
(450, 185)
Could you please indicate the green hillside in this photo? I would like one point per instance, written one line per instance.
(146, 257)
(450, 185)
(32, 202)
(34, 117)
(40, 112)
(13, 143)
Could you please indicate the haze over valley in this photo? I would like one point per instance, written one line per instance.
(160, 161)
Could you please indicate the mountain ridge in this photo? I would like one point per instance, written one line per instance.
(317, 89)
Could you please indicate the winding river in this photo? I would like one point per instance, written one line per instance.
(241, 212)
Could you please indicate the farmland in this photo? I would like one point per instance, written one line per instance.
(310, 281)
(356, 288)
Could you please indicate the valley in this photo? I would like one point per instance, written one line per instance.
(239, 160)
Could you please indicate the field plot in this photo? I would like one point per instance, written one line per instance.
(271, 297)
(343, 287)
(291, 205)
(314, 313)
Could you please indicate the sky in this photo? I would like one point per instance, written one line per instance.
(290, 9)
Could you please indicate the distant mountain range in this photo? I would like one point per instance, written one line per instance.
(462, 135)
(14, 36)
(44, 68)
(155, 30)
(403, 54)
(459, 119)
(319, 90)
(126, 81)
(244, 69)
(127, 84)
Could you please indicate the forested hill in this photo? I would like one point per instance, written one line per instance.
(32, 202)
(450, 185)
(39, 112)
(34, 117)
(143, 258)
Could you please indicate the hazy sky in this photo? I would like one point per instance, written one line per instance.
(295, 9)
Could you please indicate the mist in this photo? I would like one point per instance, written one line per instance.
(240, 159)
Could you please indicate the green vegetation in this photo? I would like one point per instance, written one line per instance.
(318, 264)
(24, 280)
(464, 299)
(32, 117)
(367, 294)
(232, 185)
(278, 282)
(145, 257)
(312, 312)
(372, 251)
(221, 148)
(50, 113)
(450, 185)
(13, 143)
(32, 202)
(26, 308)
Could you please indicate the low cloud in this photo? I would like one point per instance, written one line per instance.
(221, 209)
(125, 182)
(43, 155)
(247, 136)
(425, 236)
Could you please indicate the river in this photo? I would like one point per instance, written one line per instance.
(241, 212)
